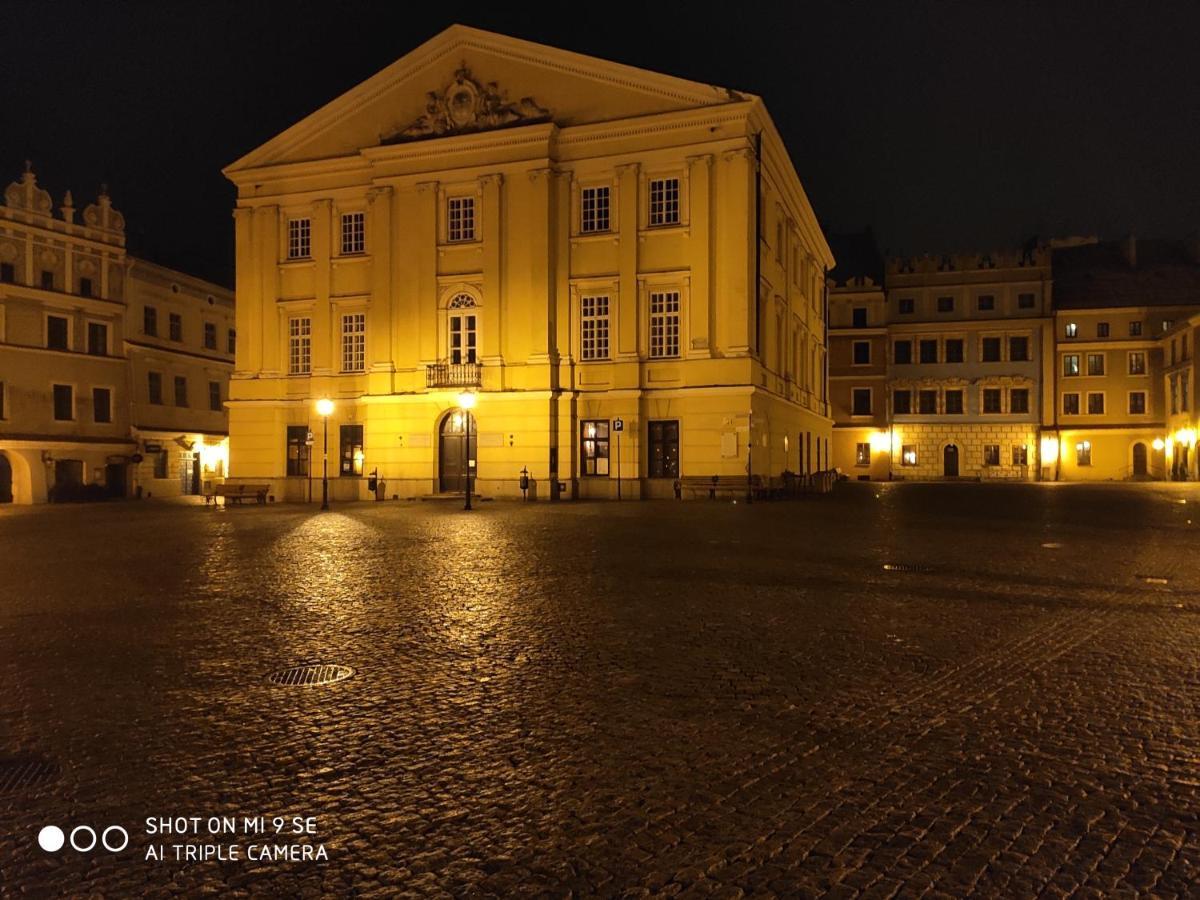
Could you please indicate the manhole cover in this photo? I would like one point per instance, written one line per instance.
(904, 567)
(300, 676)
(25, 772)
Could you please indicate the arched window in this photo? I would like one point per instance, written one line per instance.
(463, 322)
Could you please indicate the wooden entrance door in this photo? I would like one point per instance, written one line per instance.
(950, 461)
(453, 452)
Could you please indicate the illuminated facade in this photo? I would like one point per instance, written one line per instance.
(581, 258)
(74, 416)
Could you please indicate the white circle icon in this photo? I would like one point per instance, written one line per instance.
(124, 835)
(51, 838)
(89, 830)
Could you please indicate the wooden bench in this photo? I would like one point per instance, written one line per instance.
(728, 485)
(236, 493)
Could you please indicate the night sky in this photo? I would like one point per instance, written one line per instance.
(942, 125)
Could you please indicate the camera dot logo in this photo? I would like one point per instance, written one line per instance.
(114, 838)
(51, 838)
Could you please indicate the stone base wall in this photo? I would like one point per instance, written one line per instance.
(931, 441)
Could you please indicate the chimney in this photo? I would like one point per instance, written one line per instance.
(1129, 251)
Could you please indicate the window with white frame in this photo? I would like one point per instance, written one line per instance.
(299, 239)
(461, 219)
(354, 232)
(594, 206)
(664, 201)
(354, 342)
(1095, 403)
(593, 322)
(299, 345)
(463, 330)
(1137, 362)
(664, 324)
(1137, 403)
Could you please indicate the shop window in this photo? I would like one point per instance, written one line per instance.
(663, 449)
(351, 457)
(594, 446)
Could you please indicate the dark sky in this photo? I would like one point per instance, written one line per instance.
(948, 125)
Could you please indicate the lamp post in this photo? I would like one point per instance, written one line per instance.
(325, 410)
(466, 402)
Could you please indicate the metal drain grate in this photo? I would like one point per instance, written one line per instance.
(17, 774)
(303, 676)
(904, 567)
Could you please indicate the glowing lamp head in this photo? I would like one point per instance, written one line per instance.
(466, 400)
(324, 407)
(880, 442)
(1159, 444)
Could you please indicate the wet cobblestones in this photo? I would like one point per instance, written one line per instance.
(650, 699)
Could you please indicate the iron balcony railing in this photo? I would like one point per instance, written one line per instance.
(452, 375)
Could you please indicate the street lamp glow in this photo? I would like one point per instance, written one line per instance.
(325, 410)
(466, 400)
(1158, 444)
(325, 407)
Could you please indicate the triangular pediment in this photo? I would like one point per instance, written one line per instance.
(465, 80)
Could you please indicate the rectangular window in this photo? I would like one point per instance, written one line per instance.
(1070, 364)
(927, 402)
(1020, 455)
(464, 338)
(1137, 362)
(57, 333)
(905, 306)
(150, 321)
(85, 287)
(664, 201)
(231, 341)
(97, 339)
(299, 345)
(160, 463)
(47, 279)
(1095, 401)
(862, 454)
(662, 452)
(862, 353)
(461, 218)
(64, 402)
(1025, 301)
(1135, 329)
(8, 273)
(351, 458)
(593, 327)
(989, 349)
(1018, 401)
(1095, 363)
(299, 233)
(986, 302)
(954, 403)
(154, 387)
(664, 324)
(1018, 349)
(181, 391)
(1137, 403)
(929, 351)
(991, 454)
(354, 233)
(945, 304)
(176, 326)
(1101, 329)
(1071, 330)
(859, 317)
(101, 405)
(902, 352)
(860, 401)
(210, 336)
(991, 400)
(594, 446)
(1070, 404)
(954, 350)
(354, 342)
(297, 450)
(908, 455)
(1083, 453)
(214, 396)
(902, 402)
(593, 205)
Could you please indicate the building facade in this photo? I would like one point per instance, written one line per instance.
(73, 399)
(622, 267)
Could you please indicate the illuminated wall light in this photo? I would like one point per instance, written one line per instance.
(1049, 449)
(879, 442)
(1158, 444)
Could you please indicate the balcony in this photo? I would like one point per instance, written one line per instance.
(452, 375)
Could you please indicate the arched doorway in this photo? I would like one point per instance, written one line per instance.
(1140, 469)
(453, 452)
(6, 479)
(950, 461)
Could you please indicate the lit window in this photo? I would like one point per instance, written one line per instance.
(664, 324)
(862, 454)
(1083, 453)
(594, 207)
(461, 218)
(1137, 363)
(991, 454)
(594, 446)
(354, 342)
(299, 239)
(664, 201)
(298, 450)
(354, 232)
(299, 345)
(908, 455)
(1020, 455)
(351, 460)
(861, 402)
(1071, 330)
(1070, 364)
(593, 325)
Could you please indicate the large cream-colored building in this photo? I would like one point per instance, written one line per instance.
(574, 240)
(77, 403)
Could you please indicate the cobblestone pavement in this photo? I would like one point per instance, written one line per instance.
(618, 700)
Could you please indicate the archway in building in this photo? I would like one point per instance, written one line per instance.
(6, 479)
(1140, 463)
(950, 461)
(453, 451)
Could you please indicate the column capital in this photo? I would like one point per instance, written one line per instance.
(383, 191)
(745, 153)
(425, 187)
(496, 178)
(705, 158)
(631, 168)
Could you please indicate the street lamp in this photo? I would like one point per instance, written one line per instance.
(466, 402)
(325, 410)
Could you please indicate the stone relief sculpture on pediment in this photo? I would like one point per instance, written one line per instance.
(465, 105)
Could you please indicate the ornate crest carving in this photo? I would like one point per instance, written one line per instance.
(466, 105)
